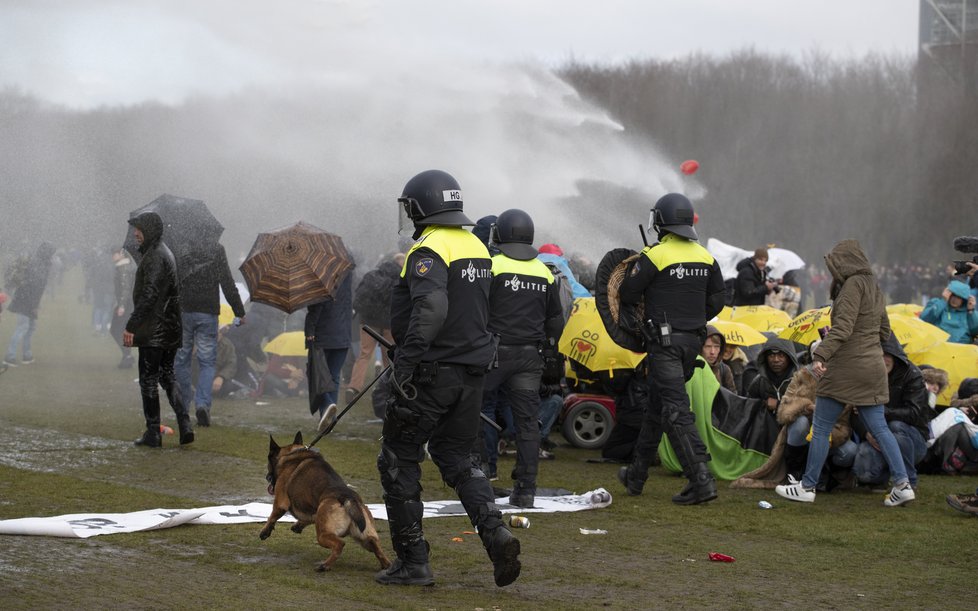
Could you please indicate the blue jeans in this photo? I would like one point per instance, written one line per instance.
(335, 357)
(549, 410)
(827, 411)
(870, 468)
(22, 332)
(200, 332)
(842, 456)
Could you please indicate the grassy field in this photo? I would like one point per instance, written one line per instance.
(66, 426)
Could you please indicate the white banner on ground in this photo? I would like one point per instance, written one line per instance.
(84, 525)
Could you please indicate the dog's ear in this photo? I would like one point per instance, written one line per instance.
(272, 446)
(298, 438)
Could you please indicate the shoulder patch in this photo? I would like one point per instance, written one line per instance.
(423, 266)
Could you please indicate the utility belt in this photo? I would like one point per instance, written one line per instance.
(427, 372)
(662, 333)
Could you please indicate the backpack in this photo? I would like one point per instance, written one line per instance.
(372, 297)
(564, 290)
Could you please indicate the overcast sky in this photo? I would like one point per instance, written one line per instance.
(87, 53)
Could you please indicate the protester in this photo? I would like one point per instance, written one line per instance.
(954, 446)
(551, 254)
(440, 315)
(907, 415)
(734, 358)
(850, 368)
(328, 329)
(372, 303)
(26, 302)
(203, 277)
(154, 328)
(677, 305)
(713, 349)
(525, 314)
(954, 312)
(776, 363)
(753, 285)
(225, 366)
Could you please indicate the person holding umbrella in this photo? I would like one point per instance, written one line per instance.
(154, 327)
(327, 328)
(439, 319)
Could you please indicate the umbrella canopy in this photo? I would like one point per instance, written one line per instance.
(586, 341)
(914, 334)
(907, 309)
(737, 333)
(290, 343)
(295, 266)
(960, 361)
(187, 225)
(760, 318)
(804, 329)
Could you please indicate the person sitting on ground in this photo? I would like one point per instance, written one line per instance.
(753, 284)
(953, 449)
(907, 415)
(776, 363)
(713, 348)
(736, 360)
(954, 312)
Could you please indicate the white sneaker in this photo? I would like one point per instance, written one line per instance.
(796, 492)
(899, 496)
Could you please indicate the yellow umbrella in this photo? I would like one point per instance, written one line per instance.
(291, 343)
(737, 333)
(914, 334)
(759, 318)
(586, 341)
(804, 328)
(960, 361)
(226, 316)
(907, 309)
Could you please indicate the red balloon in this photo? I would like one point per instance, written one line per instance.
(696, 218)
(689, 166)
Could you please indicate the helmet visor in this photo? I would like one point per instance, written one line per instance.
(405, 226)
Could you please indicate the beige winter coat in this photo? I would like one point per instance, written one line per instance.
(851, 350)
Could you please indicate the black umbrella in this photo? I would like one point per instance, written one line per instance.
(187, 225)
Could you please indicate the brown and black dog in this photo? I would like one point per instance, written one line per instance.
(304, 484)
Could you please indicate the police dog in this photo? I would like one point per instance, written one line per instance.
(304, 484)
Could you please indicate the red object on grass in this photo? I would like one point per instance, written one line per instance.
(689, 166)
(3, 298)
(718, 557)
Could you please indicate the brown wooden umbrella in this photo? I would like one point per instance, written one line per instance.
(295, 266)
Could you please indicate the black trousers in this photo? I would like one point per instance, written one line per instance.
(445, 415)
(668, 408)
(155, 370)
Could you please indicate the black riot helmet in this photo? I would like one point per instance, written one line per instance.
(512, 233)
(673, 213)
(433, 197)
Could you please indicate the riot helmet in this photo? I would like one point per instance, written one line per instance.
(673, 213)
(512, 233)
(433, 197)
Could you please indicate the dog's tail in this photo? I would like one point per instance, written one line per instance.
(354, 508)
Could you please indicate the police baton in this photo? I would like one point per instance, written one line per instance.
(386, 344)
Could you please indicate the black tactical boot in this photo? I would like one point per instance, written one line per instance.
(504, 550)
(701, 487)
(410, 568)
(633, 476)
(522, 495)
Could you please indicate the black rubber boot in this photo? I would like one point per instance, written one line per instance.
(411, 567)
(186, 429)
(633, 476)
(151, 412)
(701, 487)
(504, 550)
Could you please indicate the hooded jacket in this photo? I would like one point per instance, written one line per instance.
(155, 319)
(959, 323)
(908, 394)
(768, 384)
(721, 370)
(851, 350)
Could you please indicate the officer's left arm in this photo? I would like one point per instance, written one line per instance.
(715, 292)
(427, 277)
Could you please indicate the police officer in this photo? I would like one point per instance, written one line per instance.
(683, 288)
(525, 313)
(439, 313)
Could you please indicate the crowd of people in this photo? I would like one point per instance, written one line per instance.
(476, 317)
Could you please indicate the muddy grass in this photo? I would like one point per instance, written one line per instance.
(66, 425)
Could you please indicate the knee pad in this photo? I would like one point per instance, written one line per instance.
(457, 475)
(394, 482)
